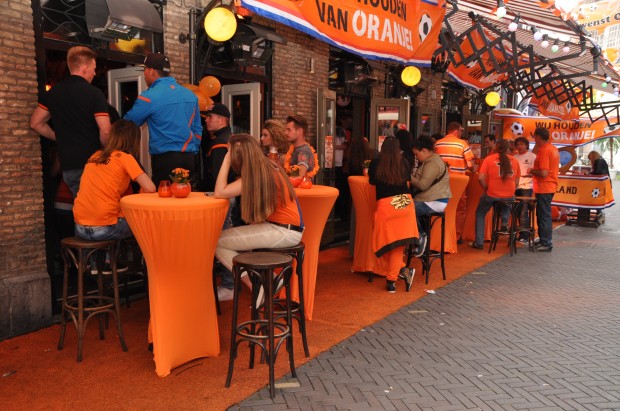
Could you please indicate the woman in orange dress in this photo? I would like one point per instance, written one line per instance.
(395, 225)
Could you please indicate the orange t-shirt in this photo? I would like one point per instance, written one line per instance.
(455, 152)
(101, 189)
(286, 213)
(496, 186)
(547, 158)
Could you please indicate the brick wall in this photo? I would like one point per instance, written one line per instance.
(23, 275)
(176, 21)
(294, 86)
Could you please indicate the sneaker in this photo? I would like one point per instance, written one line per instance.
(476, 246)
(419, 251)
(407, 274)
(523, 241)
(544, 248)
(225, 294)
(391, 286)
(107, 269)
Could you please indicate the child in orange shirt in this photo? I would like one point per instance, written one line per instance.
(499, 177)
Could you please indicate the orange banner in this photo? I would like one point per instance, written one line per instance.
(562, 133)
(552, 109)
(583, 192)
(402, 31)
(471, 75)
(601, 19)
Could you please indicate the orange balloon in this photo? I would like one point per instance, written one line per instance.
(209, 86)
(192, 87)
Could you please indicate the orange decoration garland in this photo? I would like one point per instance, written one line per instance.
(287, 162)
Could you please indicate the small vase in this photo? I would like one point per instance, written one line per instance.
(295, 181)
(181, 190)
(365, 170)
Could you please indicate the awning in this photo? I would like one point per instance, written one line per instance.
(400, 31)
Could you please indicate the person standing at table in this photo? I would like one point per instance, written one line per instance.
(79, 112)
(431, 181)
(545, 173)
(273, 140)
(300, 154)
(499, 177)
(456, 152)
(395, 215)
(268, 203)
(108, 172)
(173, 117)
(598, 164)
(489, 143)
(526, 186)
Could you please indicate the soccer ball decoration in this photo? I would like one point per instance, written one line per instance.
(492, 99)
(595, 193)
(517, 129)
(411, 76)
(426, 24)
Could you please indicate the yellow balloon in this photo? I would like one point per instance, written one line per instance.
(220, 24)
(492, 99)
(411, 76)
(209, 86)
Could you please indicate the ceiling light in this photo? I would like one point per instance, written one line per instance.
(608, 78)
(501, 9)
(538, 35)
(555, 47)
(514, 25)
(566, 47)
(545, 43)
(603, 84)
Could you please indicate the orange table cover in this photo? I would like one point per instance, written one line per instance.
(458, 184)
(178, 237)
(474, 192)
(316, 204)
(365, 201)
(587, 191)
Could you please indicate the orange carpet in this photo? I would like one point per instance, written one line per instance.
(35, 375)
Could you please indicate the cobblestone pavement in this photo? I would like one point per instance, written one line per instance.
(537, 331)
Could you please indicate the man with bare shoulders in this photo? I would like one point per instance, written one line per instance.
(79, 113)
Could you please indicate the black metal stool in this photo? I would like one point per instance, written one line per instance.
(297, 252)
(497, 229)
(530, 206)
(260, 268)
(429, 256)
(82, 308)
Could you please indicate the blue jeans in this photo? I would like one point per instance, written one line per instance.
(116, 231)
(543, 218)
(72, 178)
(484, 205)
(422, 209)
(522, 213)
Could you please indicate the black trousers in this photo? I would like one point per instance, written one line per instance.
(163, 164)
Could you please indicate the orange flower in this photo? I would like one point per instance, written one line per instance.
(180, 175)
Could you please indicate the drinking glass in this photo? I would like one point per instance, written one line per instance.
(164, 189)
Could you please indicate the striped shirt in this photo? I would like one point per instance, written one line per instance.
(455, 152)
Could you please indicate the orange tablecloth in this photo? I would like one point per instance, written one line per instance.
(316, 204)
(587, 191)
(474, 192)
(178, 237)
(364, 199)
(458, 184)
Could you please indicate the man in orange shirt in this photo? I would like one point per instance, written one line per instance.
(545, 175)
(456, 153)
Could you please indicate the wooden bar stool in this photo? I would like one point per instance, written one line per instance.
(297, 252)
(83, 307)
(429, 256)
(530, 206)
(499, 230)
(267, 333)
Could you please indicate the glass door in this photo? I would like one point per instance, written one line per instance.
(243, 101)
(124, 87)
(325, 131)
(385, 116)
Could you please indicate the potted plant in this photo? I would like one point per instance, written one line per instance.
(180, 183)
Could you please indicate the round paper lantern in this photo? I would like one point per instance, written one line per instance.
(492, 99)
(209, 86)
(220, 24)
(411, 76)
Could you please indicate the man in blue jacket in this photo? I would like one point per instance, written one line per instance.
(173, 117)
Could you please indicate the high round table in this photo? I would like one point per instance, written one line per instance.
(474, 192)
(316, 204)
(365, 200)
(178, 237)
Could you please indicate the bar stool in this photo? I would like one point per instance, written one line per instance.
(429, 256)
(530, 204)
(297, 252)
(497, 229)
(83, 307)
(265, 332)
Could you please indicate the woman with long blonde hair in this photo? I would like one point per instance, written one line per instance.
(268, 202)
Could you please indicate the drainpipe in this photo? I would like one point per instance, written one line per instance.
(192, 45)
